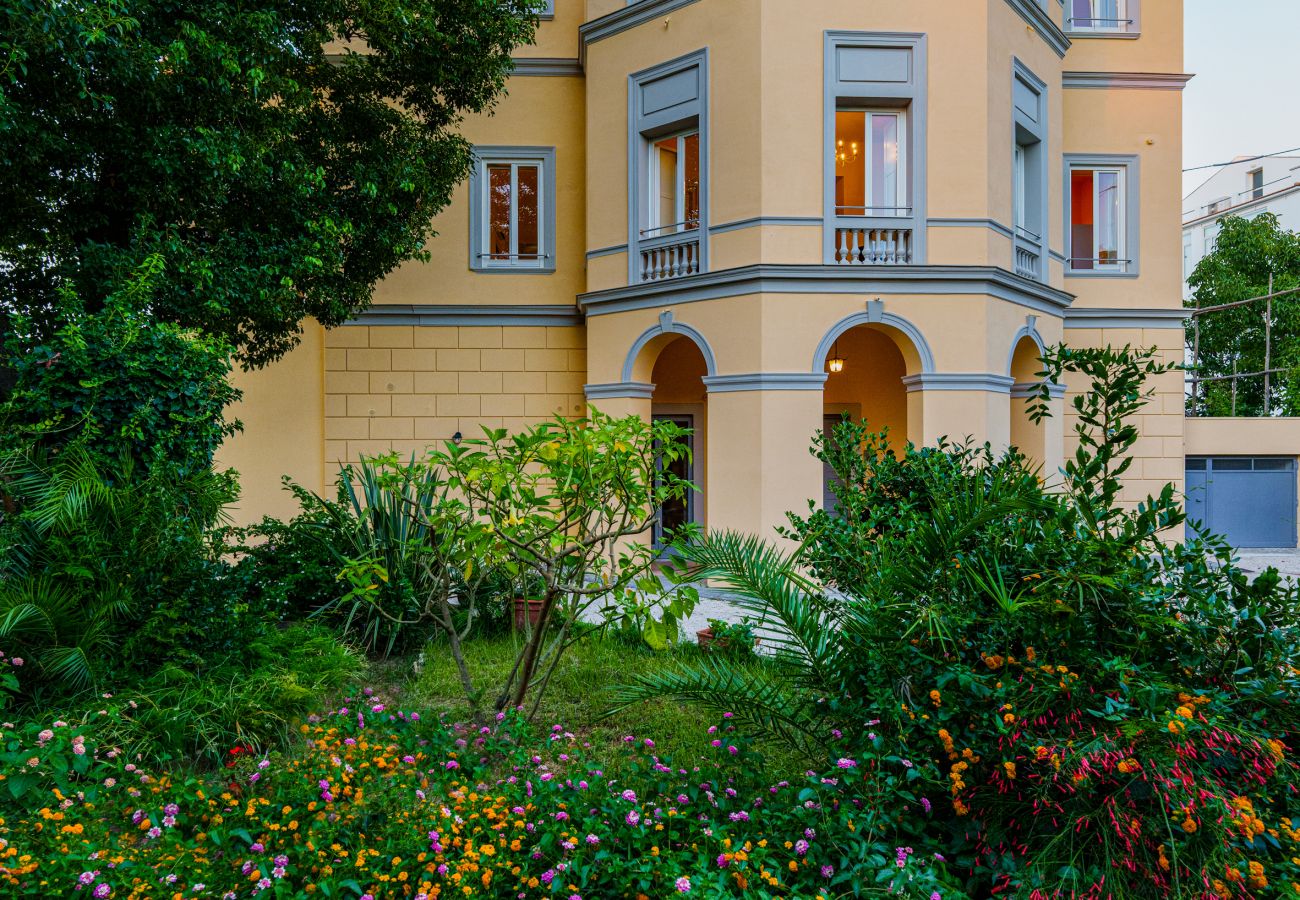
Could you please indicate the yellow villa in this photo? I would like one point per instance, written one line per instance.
(751, 215)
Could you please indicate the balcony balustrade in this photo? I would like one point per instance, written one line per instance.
(670, 256)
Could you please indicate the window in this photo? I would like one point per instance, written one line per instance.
(1189, 264)
(874, 135)
(1256, 179)
(674, 189)
(1103, 17)
(870, 163)
(1028, 172)
(1097, 219)
(668, 166)
(1102, 216)
(512, 213)
(1210, 237)
(1219, 205)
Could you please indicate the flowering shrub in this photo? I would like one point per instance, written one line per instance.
(1089, 710)
(383, 803)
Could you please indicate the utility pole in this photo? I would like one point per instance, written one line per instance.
(1268, 346)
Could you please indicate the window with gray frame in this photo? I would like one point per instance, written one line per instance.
(512, 210)
(874, 139)
(668, 164)
(1029, 172)
(1103, 18)
(1101, 215)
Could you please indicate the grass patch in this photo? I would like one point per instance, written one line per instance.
(581, 692)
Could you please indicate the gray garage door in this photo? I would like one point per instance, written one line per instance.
(1249, 499)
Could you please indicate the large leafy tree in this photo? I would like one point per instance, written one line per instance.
(278, 156)
(1250, 255)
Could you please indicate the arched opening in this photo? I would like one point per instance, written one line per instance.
(865, 369)
(1028, 437)
(680, 396)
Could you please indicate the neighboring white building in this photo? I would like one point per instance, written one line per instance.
(1246, 188)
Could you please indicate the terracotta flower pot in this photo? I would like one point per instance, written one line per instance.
(529, 607)
(707, 641)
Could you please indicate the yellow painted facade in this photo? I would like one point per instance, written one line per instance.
(939, 332)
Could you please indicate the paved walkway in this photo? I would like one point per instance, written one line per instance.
(715, 603)
(1285, 560)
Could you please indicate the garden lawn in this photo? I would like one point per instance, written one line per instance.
(582, 691)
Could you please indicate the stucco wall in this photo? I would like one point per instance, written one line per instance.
(283, 430)
(1158, 453)
(401, 387)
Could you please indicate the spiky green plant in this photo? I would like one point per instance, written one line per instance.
(84, 546)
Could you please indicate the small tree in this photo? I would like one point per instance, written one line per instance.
(1250, 257)
(560, 506)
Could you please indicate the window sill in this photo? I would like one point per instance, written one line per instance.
(513, 270)
(1077, 273)
(1106, 35)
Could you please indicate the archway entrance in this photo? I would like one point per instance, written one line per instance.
(680, 396)
(1028, 437)
(865, 371)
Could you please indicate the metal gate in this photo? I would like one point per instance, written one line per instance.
(1251, 500)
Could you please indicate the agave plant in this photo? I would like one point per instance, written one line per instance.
(379, 519)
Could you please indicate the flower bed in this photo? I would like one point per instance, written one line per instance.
(383, 803)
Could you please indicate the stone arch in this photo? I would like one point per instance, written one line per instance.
(911, 343)
(1028, 330)
(654, 338)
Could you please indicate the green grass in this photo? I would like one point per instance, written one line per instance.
(581, 692)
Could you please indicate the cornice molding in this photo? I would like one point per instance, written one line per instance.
(830, 279)
(1133, 81)
(765, 381)
(1041, 22)
(631, 390)
(607, 251)
(547, 66)
(959, 381)
(433, 314)
(763, 222)
(1126, 318)
(990, 224)
(622, 19)
(1025, 390)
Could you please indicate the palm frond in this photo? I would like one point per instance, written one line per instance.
(754, 700)
(794, 616)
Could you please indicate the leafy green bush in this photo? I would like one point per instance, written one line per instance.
(121, 385)
(1086, 707)
(94, 551)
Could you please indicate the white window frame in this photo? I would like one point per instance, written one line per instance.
(1019, 214)
(1129, 226)
(902, 208)
(1124, 23)
(543, 159)
(653, 227)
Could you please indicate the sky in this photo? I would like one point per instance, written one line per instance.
(1245, 98)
